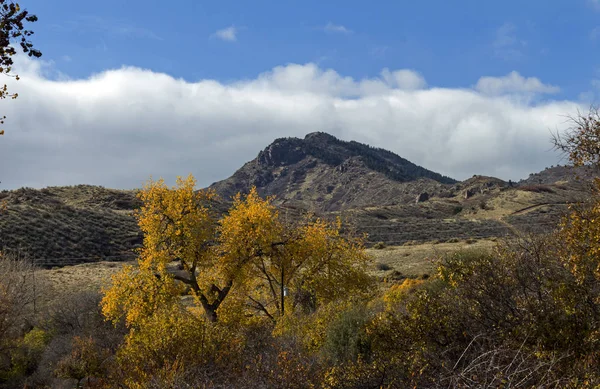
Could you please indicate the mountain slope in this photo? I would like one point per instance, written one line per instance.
(62, 225)
(374, 191)
(321, 172)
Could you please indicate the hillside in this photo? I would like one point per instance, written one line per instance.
(323, 173)
(374, 191)
(63, 225)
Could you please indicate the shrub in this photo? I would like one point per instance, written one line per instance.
(345, 338)
(383, 266)
(379, 245)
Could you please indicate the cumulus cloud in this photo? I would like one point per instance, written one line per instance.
(514, 83)
(404, 79)
(310, 78)
(228, 34)
(338, 28)
(119, 127)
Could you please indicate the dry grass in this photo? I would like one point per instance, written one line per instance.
(502, 204)
(77, 278)
(417, 260)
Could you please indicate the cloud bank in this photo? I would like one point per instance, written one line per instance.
(120, 127)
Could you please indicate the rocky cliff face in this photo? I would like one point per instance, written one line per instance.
(323, 173)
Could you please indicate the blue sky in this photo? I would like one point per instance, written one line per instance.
(451, 43)
(131, 89)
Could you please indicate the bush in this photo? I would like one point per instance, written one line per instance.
(345, 338)
(502, 307)
(379, 245)
(383, 266)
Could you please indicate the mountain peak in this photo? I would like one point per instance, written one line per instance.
(331, 174)
(319, 136)
(282, 152)
(288, 151)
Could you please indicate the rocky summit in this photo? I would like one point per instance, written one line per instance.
(323, 173)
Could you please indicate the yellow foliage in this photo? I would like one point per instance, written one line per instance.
(312, 328)
(241, 270)
(580, 234)
(249, 257)
(333, 265)
(177, 224)
(136, 294)
(167, 341)
(398, 292)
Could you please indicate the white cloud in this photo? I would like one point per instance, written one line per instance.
(513, 83)
(309, 78)
(594, 4)
(227, 34)
(404, 79)
(119, 127)
(330, 27)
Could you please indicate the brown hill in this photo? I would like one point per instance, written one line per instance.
(65, 225)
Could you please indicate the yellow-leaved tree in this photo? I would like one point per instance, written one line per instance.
(250, 257)
(580, 229)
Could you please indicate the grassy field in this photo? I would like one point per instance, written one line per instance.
(87, 277)
(416, 260)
